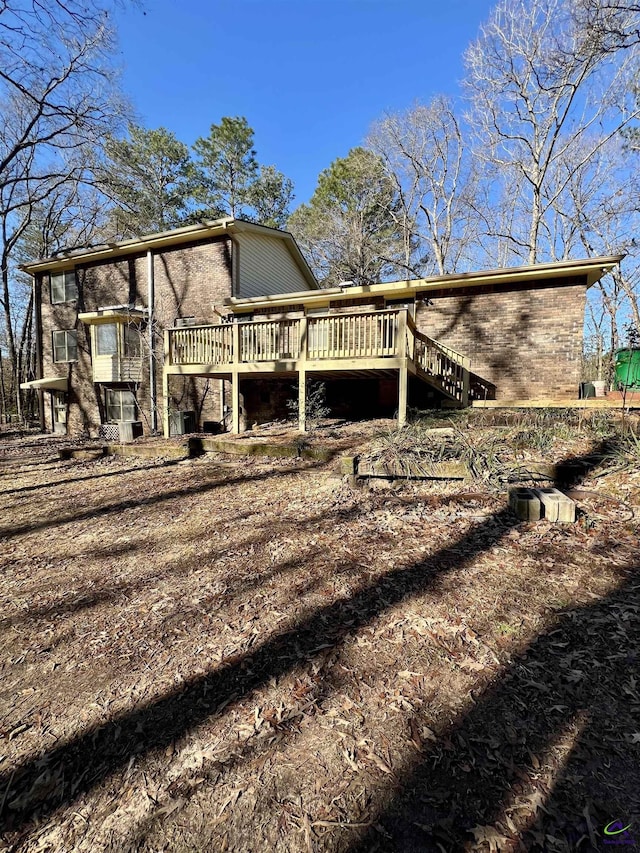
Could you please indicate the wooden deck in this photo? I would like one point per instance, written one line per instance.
(353, 343)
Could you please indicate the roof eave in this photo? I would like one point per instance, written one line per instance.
(593, 269)
(199, 231)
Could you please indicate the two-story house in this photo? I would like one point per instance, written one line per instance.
(101, 313)
(223, 322)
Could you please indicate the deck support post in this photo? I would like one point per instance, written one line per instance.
(302, 376)
(466, 383)
(165, 385)
(403, 388)
(235, 379)
(403, 378)
(235, 402)
(302, 401)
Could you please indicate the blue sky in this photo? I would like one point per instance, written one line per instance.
(309, 75)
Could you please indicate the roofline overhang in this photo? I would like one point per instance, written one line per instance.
(52, 383)
(592, 268)
(199, 231)
(112, 315)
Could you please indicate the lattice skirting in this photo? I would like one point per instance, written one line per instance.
(109, 432)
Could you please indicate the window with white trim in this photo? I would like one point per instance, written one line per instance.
(64, 286)
(65, 345)
(107, 339)
(131, 342)
(117, 338)
(120, 405)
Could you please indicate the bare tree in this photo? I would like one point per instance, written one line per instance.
(611, 24)
(423, 152)
(539, 84)
(58, 99)
(597, 213)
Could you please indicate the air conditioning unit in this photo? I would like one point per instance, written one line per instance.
(129, 430)
(182, 423)
(181, 322)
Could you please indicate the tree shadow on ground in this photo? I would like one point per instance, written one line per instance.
(40, 785)
(119, 506)
(67, 481)
(85, 761)
(566, 703)
(91, 597)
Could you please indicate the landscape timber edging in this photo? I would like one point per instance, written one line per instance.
(367, 469)
(92, 453)
(199, 445)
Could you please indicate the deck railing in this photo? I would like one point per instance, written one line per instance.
(352, 335)
(269, 340)
(201, 345)
(446, 366)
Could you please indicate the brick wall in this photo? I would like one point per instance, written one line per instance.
(189, 281)
(528, 342)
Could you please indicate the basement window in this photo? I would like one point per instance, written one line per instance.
(120, 405)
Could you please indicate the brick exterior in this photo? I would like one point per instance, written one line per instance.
(528, 342)
(189, 281)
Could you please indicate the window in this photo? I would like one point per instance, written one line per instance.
(120, 405)
(131, 341)
(64, 286)
(65, 346)
(112, 337)
(107, 339)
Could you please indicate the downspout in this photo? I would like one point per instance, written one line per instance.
(235, 263)
(37, 306)
(235, 291)
(151, 296)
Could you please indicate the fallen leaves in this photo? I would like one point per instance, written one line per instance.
(431, 671)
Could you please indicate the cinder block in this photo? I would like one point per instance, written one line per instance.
(525, 503)
(556, 506)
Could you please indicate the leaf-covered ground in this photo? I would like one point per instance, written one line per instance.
(252, 654)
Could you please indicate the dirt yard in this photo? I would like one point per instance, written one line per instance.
(252, 654)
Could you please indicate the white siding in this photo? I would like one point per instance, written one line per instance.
(267, 267)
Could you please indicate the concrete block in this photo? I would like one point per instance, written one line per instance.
(556, 506)
(525, 503)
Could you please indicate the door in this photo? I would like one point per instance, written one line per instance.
(59, 412)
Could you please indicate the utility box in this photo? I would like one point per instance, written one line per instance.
(129, 430)
(182, 423)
